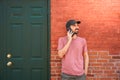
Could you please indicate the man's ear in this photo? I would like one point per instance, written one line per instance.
(69, 28)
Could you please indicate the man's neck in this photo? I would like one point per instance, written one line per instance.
(75, 36)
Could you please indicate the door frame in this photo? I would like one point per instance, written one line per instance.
(49, 38)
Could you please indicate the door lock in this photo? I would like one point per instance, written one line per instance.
(9, 56)
(9, 63)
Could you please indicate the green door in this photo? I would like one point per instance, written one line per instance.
(24, 40)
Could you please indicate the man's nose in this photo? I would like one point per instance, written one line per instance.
(76, 26)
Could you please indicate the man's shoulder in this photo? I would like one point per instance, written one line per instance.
(63, 38)
(81, 38)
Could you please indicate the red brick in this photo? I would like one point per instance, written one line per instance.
(105, 53)
(92, 60)
(105, 57)
(96, 64)
(109, 64)
(102, 61)
(109, 71)
(93, 57)
(115, 57)
(97, 71)
(92, 53)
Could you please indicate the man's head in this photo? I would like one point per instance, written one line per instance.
(73, 25)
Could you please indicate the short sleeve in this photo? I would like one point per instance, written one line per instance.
(85, 46)
(60, 44)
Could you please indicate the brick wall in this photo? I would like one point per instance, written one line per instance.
(101, 28)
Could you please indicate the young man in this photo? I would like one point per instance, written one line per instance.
(72, 49)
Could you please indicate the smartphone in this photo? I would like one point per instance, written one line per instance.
(69, 29)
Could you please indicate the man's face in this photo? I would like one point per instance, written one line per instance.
(75, 28)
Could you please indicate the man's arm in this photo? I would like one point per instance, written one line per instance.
(86, 57)
(63, 51)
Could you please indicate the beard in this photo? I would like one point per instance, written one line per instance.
(76, 31)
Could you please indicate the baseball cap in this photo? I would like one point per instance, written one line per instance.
(71, 22)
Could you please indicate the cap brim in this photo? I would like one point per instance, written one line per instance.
(78, 22)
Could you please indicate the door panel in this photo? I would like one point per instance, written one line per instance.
(23, 35)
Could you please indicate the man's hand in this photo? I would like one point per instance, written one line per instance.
(86, 62)
(86, 72)
(69, 35)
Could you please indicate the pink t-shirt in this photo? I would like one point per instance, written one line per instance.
(72, 63)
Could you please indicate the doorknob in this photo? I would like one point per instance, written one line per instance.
(9, 63)
(9, 55)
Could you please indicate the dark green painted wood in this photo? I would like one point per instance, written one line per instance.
(24, 33)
